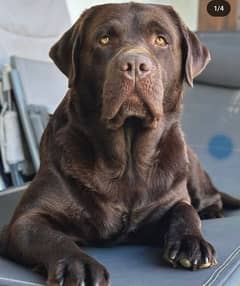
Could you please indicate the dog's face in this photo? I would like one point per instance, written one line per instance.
(130, 60)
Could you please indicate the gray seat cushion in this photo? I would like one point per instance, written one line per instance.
(211, 124)
(143, 266)
(8, 202)
(223, 70)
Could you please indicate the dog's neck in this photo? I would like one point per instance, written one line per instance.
(130, 149)
(142, 145)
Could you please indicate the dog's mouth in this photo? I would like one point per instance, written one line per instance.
(133, 107)
(124, 98)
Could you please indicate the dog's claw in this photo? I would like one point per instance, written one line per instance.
(185, 262)
(208, 264)
(170, 257)
(173, 255)
(205, 265)
(195, 264)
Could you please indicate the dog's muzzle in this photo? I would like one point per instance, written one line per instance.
(131, 89)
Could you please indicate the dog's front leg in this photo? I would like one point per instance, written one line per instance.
(33, 241)
(184, 244)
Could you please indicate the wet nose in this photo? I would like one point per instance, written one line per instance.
(135, 66)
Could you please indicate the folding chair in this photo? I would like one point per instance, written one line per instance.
(38, 88)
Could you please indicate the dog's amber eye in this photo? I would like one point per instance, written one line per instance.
(104, 40)
(160, 41)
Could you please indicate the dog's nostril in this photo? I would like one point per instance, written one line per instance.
(143, 67)
(126, 67)
(129, 67)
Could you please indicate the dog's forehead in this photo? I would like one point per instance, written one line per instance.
(128, 13)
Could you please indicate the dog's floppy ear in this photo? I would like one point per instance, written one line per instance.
(65, 53)
(195, 55)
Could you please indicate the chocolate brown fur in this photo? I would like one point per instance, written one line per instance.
(115, 167)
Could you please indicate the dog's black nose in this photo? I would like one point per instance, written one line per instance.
(135, 66)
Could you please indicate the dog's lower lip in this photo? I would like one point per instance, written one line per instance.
(118, 121)
(133, 107)
(148, 123)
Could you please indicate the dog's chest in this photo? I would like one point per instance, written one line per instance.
(132, 209)
(114, 220)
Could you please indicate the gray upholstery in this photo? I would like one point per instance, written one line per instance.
(208, 112)
(223, 70)
(8, 202)
(214, 112)
(142, 265)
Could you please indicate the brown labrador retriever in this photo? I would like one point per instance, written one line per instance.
(115, 167)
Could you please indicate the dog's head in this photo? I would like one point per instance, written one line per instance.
(130, 60)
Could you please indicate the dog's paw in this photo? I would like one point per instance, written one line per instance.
(78, 271)
(190, 252)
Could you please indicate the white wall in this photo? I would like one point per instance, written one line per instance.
(188, 9)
